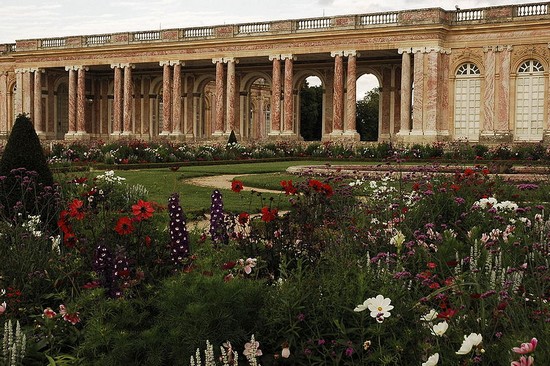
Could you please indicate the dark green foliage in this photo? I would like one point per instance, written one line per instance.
(165, 327)
(23, 152)
(311, 112)
(367, 115)
(232, 139)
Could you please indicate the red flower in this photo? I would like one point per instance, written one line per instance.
(147, 241)
(288, 187)
(124, 226)
(76, 209)
(327, 190)
(143, 210)
(268, 214)
(455, 187)
(237, 186)
(243, 218)
(468, 172)
(315, 184)
(447, 314)
(63, 222)
(229, 265)
(69, 239)
(431, 265)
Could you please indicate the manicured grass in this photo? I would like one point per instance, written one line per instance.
(268, 181)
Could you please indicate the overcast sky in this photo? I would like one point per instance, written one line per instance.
(27, 19)
(30, 19)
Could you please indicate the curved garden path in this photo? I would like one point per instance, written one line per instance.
(224, 181)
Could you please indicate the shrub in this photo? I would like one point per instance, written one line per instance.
(23, 150)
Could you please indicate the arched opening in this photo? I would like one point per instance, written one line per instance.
(256, 111)
(467, 102)
(62, 111)
(530, 101)
(311, 109)
(368, 107)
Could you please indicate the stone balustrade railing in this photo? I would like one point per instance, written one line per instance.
(435, 16)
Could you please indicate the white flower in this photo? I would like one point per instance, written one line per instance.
(432, 360)
(364, 305)
(398, 239)
(430, 316)
(440, 328)
(469, 342)
(380, 308)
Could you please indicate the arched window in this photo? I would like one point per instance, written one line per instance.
(467, 98)
(530, 101)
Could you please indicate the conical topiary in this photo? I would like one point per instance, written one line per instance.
(232, 139)
(23, 153)
(23, 150)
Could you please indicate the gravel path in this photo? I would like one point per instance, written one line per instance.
(224, 181)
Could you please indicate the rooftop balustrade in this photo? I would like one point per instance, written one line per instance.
(508, 13)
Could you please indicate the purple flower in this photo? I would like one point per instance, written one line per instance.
(218, 231)
(349, 351)
(179, 236)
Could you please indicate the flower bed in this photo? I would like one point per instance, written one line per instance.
(420, 269)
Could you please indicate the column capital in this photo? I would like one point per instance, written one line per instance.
(76, 67)
(278, 57)
(128, 65)
(176, 62)
(404, 50)
(351, 53)
(217, 59)
(336, 53)
(289, 56)
(500, 48)
(23, 70)
(117, 66)
(230, 59)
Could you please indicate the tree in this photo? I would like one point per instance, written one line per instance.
(367, 115)
(311, 112)
(24, 152)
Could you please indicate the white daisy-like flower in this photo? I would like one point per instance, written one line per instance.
(380, 308)
(432, 360)
(440, 328)
(471, 341)
(364, 306)
(432, 315)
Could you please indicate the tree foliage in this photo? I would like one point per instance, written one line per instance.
(367, 115)
(311, 112)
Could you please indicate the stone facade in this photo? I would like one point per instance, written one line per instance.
(476, 75)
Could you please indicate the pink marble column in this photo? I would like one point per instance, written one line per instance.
(288, 118)
(176, 129)
(276, 96)
(128, 91)
(418, 116)
(432, 91)
(81, 101)
(27, 90)
(38, 121)
(503, 104)
(405, 91)
(117, 102)
(338, 95)
(218, 123)
(231, 95)
(72, 100)
(3, 102)
(489, 91)
(351, 101)
(166, 99)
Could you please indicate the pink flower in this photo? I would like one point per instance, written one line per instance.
(72, 318)
(526, 347)
(49, 313)
(3, 307)
(252, 348)
(524, 361)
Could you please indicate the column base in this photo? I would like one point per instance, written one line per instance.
(496, 137)
(352, 135)
(273, 135)
(164, 133)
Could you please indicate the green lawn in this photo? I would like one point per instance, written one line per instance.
(161, 182)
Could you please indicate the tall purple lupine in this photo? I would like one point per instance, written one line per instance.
(179, 236)
(104, 267)
(218, 231)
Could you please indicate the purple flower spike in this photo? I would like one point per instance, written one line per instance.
(218, 231)
(179, 236)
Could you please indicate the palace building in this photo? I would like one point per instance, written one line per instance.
(475, 74)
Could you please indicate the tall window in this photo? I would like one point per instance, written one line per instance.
(467, 102)
(530, 101)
